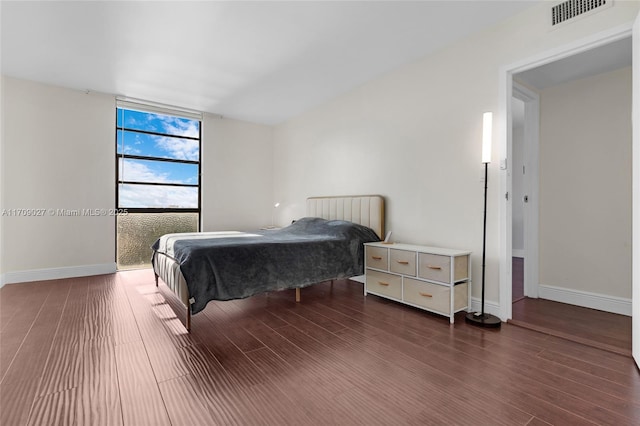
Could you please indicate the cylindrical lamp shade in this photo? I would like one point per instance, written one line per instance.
(487, 122)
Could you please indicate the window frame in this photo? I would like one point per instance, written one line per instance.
(123, 156)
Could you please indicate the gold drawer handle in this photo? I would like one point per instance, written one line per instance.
(426, 294)
(402, 262)
(383, 283)
(376, 257)
(434, 267)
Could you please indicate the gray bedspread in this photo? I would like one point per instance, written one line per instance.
(225, 266)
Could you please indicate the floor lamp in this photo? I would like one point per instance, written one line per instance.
(481, 318)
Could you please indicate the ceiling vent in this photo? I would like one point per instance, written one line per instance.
(568, 10)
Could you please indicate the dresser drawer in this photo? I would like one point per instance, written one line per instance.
(421, 276)
(402, 262)
(434, 267)
(428, 295)
(384, 284)
(376, 257)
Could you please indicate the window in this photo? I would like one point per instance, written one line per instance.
(158, 179)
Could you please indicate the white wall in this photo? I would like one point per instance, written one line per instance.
(414, 136)
(237, 174)
(585, 184)
(58, 154)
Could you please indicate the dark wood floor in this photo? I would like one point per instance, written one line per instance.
(108, 350)
(517, 279)
(592, 327)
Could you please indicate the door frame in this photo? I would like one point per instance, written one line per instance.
(531, 145)
(635, 221)
(505, 145)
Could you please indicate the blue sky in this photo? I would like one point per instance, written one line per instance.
(157, 171)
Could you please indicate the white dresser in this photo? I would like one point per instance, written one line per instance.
(430, 278)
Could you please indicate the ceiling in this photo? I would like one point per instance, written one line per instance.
(259, 61)
(609, 57)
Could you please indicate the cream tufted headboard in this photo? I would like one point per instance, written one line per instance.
(367, 210)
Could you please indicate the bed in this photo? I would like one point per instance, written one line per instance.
(325, 244)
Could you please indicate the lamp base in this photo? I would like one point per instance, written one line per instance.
(483, 320)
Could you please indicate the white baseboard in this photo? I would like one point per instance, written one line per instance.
(57, 273)
(601, 302)
(492, 308)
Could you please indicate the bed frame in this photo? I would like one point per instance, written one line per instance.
(367, 210)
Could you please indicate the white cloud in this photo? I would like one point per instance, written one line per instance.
(153, 196)
(177, 126)
(128, 149)
(182, 149)
(158, 196)
(138, 172)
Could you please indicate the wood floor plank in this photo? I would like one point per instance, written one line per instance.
(139, 393)
(613, 401)
(590, 402)
(231, 327)
(64, 364)
(308, 401)
(253, 395)
(584, 324)
(606, 394)
(99, 390)
(558, 406)
(18, 322)
(396, 403)
(256, 307)
(98, 321)
(226, 352)
(299, 359)
(599, 357)
(345, 320)
(522, 402)
(111, 350)
(15, 299)
(183, 403)
(56, 409)
(361, 372)
(600, 371)
(328, 338)
(314, 390)
(19, 386)
(124, 327)
(317, 318)
(446, 382)
(534, 364)
(217, 389)
(230, 399)
(108, 313)
(537, 422)
(141, 291)
(164, 355)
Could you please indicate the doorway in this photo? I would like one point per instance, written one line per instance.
(519, 213)
(524, 162)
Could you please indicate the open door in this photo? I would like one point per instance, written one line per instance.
(635, 327)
